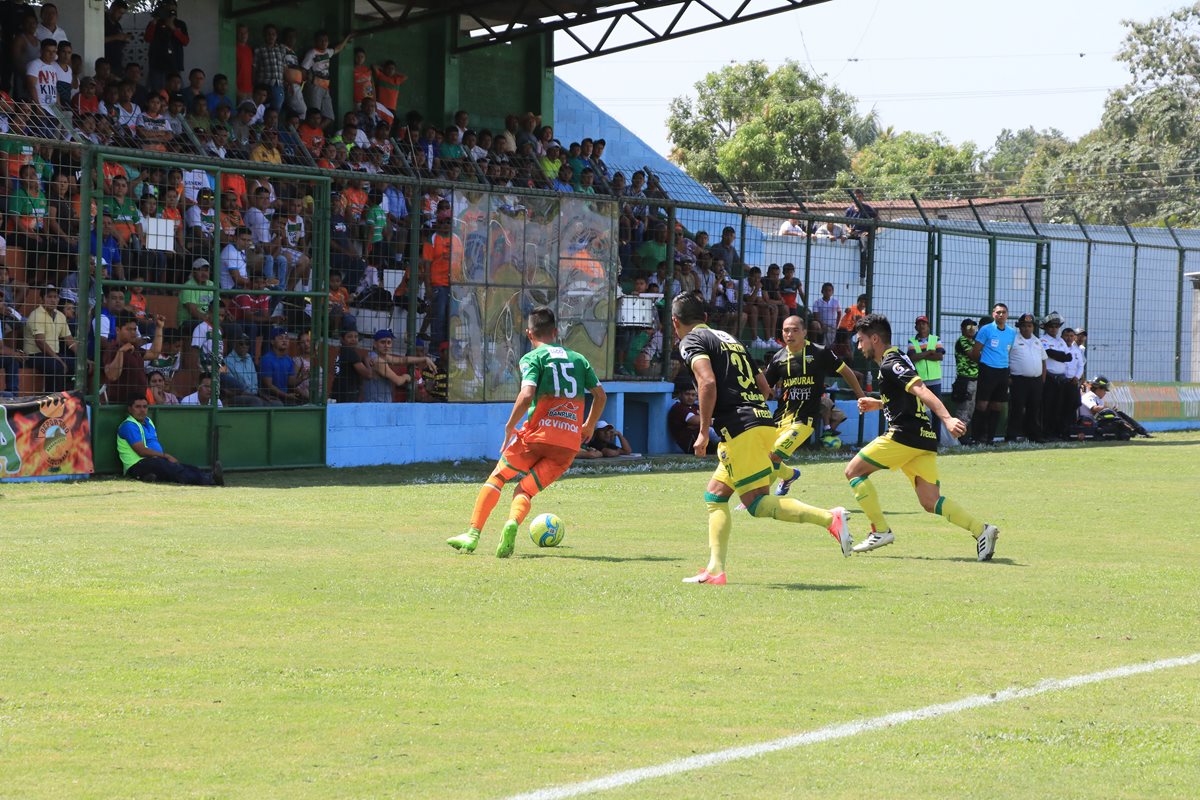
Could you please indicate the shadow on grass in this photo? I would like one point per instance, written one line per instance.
(605, 559)
(814, 587)
(1008, 562)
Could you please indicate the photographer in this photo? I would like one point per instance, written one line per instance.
(166, 36)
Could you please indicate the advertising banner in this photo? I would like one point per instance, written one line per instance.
(48, 437)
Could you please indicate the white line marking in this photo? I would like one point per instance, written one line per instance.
(844, 730)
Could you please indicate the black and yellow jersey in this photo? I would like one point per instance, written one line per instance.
(907, 417)
(799, 379)
(740, 405)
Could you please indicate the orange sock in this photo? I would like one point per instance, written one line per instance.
(519, 508)
(485, 501)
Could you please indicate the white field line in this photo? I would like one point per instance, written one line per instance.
(844, 730)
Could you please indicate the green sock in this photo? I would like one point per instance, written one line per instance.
(959, 516)
(787, 509)
(868, 501)
(720, 525)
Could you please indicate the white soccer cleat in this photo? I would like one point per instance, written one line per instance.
(985, 545)
(875, 541)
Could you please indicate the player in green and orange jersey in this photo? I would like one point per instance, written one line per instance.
(553, 380)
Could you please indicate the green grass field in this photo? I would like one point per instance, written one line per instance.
(308, 635)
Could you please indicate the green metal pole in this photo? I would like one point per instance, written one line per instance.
(668, 338)
(87, 222)
(98, 287)
(1087, 267)
(991, 271)
(1037, 277)
(938, 277)
(1132, 302)
(930, 277)
(413, 272)
(319, 284)
(1178, 304)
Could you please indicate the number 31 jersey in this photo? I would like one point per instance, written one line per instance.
(561, 377)
(740, 405)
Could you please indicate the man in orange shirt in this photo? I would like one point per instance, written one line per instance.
(310, 132)
(441, 257)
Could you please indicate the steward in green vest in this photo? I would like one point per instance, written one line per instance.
(926, 354)
(143, 457)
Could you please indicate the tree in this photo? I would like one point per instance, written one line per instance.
(1140, 164)
(916, 163)
(1016, 163)
(751, 124)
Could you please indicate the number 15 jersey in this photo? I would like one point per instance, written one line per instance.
(740, 405)
(561, 377)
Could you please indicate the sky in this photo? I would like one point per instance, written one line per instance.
(965, 68)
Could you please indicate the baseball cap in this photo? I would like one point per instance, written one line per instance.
(1026, 318)
(384, 333)
(1100, 382)
(602, 425)
(1053, 318)
(968, 322)
(247, 105)
(201, 263)
(278, 331)
(921, 318)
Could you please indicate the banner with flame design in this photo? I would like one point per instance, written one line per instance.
(46, 437)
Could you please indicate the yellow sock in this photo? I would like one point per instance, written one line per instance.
(783, 472)
(519, 508)
(720, 525)
(868, 501)
(785, 509)
(959, 516)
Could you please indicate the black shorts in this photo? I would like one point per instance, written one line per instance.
(992, 386)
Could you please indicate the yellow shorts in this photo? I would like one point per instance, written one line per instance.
(745, 460)
(790, 437)
(913, 462)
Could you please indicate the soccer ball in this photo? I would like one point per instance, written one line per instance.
(832, 442)
(547, 530)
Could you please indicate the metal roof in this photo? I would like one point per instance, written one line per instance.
(595, 27)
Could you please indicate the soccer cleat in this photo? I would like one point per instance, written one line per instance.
(985, 545)
(705, 577)
(840, 530)
(464, 542)
(785, 486)
(508, 539)
(875, 540)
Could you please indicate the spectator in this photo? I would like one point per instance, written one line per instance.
(562, 182)
(269, 62)
(726, 252)
(792, 227)
(773, 294)
(46, 334)
(41, 77)
(851, 315)
(124, 360)
(1027, 364)
(609, 442)
(114, 307)
(240, 364)
(830, 230)
(167, 36)
(11, 358)
(49, 28)
(653, 251)
(243, 63)
(203, 394)
(303, 366)
(115, 37)
(234, 270)
(378, 388)
(267, 241)
(1110, 420)
(317, 62)
(143, 457)
(133, 74)
(339, 303)
(350, 371)
(441, 258)
(68, 79)
(278, 372)
(683, 419)
(158, 394)
(253, 313)
(966, 376)
(387, 89)
(926, 354)
(859, 231)
(828, 312)
(219, 96)
(992, 343)
(1058, 407)
(1077, 347)
(756, 306)
(195, 89)
(597, 162)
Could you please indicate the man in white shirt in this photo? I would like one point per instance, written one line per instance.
(203, 394)
(1027, 370)
(1110, 421)
(41, 76)
(266, 242)
(1057, 413)
(233, 260)
(791, 227)
(49, 28)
